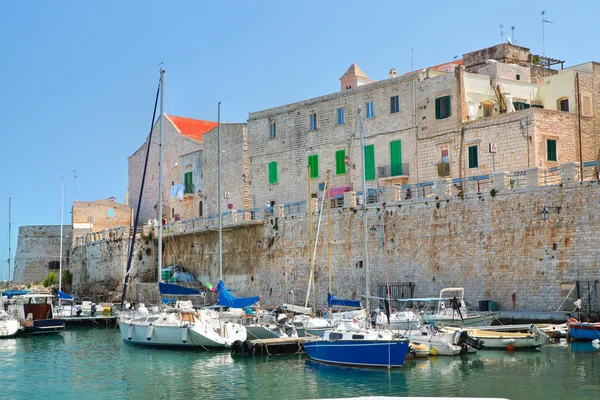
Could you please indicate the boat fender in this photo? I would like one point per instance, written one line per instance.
(571, 320)
(130, 332)
(149, 331)
(247, 347)
(236, 347)
(184, 333)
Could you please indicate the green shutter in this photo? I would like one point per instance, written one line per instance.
(442, 107)
(438, 114)
(551, 146)
(273, 178)
(369, 162)
(340, 162)
(187, 180)
(396, 157)
(447, 106)
(473, 157)
(313, 162)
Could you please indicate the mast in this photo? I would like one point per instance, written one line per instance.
(329, 228)
(219, 192)
(309, 209)
(366, 250)
(160, 166)
(9, 232)
(62, 206)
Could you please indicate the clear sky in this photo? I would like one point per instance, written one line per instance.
(78, 78)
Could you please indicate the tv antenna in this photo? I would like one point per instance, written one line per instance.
(512, 34)
(544, 22)
(501, 34)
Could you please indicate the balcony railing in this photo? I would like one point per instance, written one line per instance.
(390, 171)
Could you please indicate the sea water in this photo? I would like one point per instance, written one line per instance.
(95, 363)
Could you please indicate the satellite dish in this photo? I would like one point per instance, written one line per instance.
(508, 40)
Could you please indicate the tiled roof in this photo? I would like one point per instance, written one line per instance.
(354, 70)
(192, 128)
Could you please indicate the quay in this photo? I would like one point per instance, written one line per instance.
(89, 320)
(272, 346)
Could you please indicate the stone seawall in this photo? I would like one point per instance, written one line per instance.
(497, 247)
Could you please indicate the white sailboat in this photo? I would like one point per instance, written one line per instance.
(9, 325)
(182, 325)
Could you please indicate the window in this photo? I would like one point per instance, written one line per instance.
(520, 105)
(396, 157)
(313, 122)
(188, 183)
(340, 116)
(110, 213)
(273, 131)
(563, 104)
(473, 157)
(200, 209)
(358, 337)
(313, 163)
(394, 104)
(442, 107)
(551, 149)
(54, 265)
(370, 162)
(488, 109)
(370, 110)
(340, 162)
(518, 77)
(273, 173)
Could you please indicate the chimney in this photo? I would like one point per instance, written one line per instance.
(393, 73)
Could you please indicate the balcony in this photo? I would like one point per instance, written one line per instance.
(395, 173)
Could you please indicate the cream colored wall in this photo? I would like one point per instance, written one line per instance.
(556, 87)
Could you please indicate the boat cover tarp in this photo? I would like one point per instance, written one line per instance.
(297, 309)
(63, 296)
(170, 289)
(10, 293)
(332, 301)
(227, 300)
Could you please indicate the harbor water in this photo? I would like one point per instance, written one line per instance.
(95, 363)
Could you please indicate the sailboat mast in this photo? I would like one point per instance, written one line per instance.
(9, 232)
(160, 167)
(219, 191)
(364, 190)
(329, 228)
(60, 257)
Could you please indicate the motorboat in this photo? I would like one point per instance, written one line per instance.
(494, 339)
(584, 330)
(444, 342)
(453, 311)
(9, 325)
(35, 314)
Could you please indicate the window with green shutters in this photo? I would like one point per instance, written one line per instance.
(340, 162)
(188, 183)
(370, 162)
(551, 149)
(396, 157)
(519, 105)
(313, 163)
(473, 157)
(273, 178)
(442, 107)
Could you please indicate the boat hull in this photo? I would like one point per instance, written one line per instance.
(475, 320)
(9, 328)
(364, 353)
(160, 336)
(584, 331)
(42, 326)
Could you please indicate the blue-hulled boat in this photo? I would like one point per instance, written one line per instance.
(584, 330)
(353, 346)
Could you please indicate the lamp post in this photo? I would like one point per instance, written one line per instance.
(550, 209)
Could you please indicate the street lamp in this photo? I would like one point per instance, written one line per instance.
(547, 210)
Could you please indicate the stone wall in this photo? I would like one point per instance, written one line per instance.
(498, 247)
(37, 247)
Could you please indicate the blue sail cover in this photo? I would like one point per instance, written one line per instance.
(10, 293)
(227, 300)
(63, 296)
(169, 289)
(332, 301)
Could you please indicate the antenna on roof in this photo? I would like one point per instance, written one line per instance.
(544, 22)
(501, 34)
(512, 33)
(412, 58)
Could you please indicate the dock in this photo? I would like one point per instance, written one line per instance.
(89, 320)
(272, 346)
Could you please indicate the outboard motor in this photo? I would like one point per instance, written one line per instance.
(455, 304)
(465, 340)
(93, 310)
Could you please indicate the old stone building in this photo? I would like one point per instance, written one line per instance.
(498, 109)
(99, 215)
(38, 252)
(180, 136)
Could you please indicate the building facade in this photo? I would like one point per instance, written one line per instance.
(99, 215)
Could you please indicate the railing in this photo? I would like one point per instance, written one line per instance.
(566, 173)
(390, 171)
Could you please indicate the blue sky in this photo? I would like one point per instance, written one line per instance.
(79, 77)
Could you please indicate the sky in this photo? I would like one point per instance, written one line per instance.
(79, 78)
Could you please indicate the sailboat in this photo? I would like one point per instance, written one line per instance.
(9, 325)
(180, 325)
(352, 344)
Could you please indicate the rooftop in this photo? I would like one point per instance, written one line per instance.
(191, 128)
